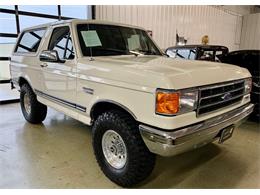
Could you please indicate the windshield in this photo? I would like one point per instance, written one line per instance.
(109, 40)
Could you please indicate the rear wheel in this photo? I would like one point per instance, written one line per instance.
(120, 150)
(33, 111)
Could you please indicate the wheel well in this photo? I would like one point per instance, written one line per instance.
(22, 81)
(102, 107)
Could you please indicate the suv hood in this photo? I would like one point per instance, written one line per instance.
(159, 71)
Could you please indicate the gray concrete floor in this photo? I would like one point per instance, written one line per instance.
(58, 154)
(6, 93)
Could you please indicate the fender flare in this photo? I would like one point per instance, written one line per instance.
(114, 103)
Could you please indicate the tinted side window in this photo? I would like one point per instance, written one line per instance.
(171, 53)
(183, 53)
(30, 41)
(61, 42)
(192, 54)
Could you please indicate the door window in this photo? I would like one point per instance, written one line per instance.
(61, 42)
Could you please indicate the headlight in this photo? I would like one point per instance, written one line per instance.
(248, 85)
(189, 99)
(176, 102)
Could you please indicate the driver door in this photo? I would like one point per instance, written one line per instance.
(59, 78)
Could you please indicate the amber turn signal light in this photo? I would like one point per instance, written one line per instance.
(167, 102)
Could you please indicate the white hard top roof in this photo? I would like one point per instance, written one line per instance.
(81, 21)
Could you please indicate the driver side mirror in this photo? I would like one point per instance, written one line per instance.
(50, 56)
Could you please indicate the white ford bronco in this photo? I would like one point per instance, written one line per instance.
(139, 103)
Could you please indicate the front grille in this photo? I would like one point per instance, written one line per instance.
(215, 97)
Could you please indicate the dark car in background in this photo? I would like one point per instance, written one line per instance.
(249, 59)
(197, 52)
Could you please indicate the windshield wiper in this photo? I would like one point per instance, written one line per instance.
(135, 53)
(147, 52)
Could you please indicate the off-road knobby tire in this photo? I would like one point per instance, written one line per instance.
(38, 110)
(140, 161)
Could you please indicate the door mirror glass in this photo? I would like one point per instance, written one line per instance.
(50, 56)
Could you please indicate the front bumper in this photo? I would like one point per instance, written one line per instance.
(169, 143)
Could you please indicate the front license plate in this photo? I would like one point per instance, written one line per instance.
(226, 133)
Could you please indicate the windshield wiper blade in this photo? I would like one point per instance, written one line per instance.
(135, 53)
(147, 52)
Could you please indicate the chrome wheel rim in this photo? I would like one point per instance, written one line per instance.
(114, 149)
(26, 103)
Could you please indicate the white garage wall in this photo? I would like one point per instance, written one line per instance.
(250, 37)
(191, 21)
(5, 51)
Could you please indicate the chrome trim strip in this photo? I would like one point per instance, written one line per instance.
(61, 101)
(81, 108)
(222, 85)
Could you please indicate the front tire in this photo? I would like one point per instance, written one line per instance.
(33, 111)
(120, 150)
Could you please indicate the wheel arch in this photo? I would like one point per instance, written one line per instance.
(102, 106)
(22, 81)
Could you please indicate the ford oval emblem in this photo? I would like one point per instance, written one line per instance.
(226, 96)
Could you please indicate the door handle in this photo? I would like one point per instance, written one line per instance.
(44, 65)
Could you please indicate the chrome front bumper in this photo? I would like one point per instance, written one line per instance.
(169, 143)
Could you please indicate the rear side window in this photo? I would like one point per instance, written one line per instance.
(30, 41)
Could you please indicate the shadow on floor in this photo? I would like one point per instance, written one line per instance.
(201, 168)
